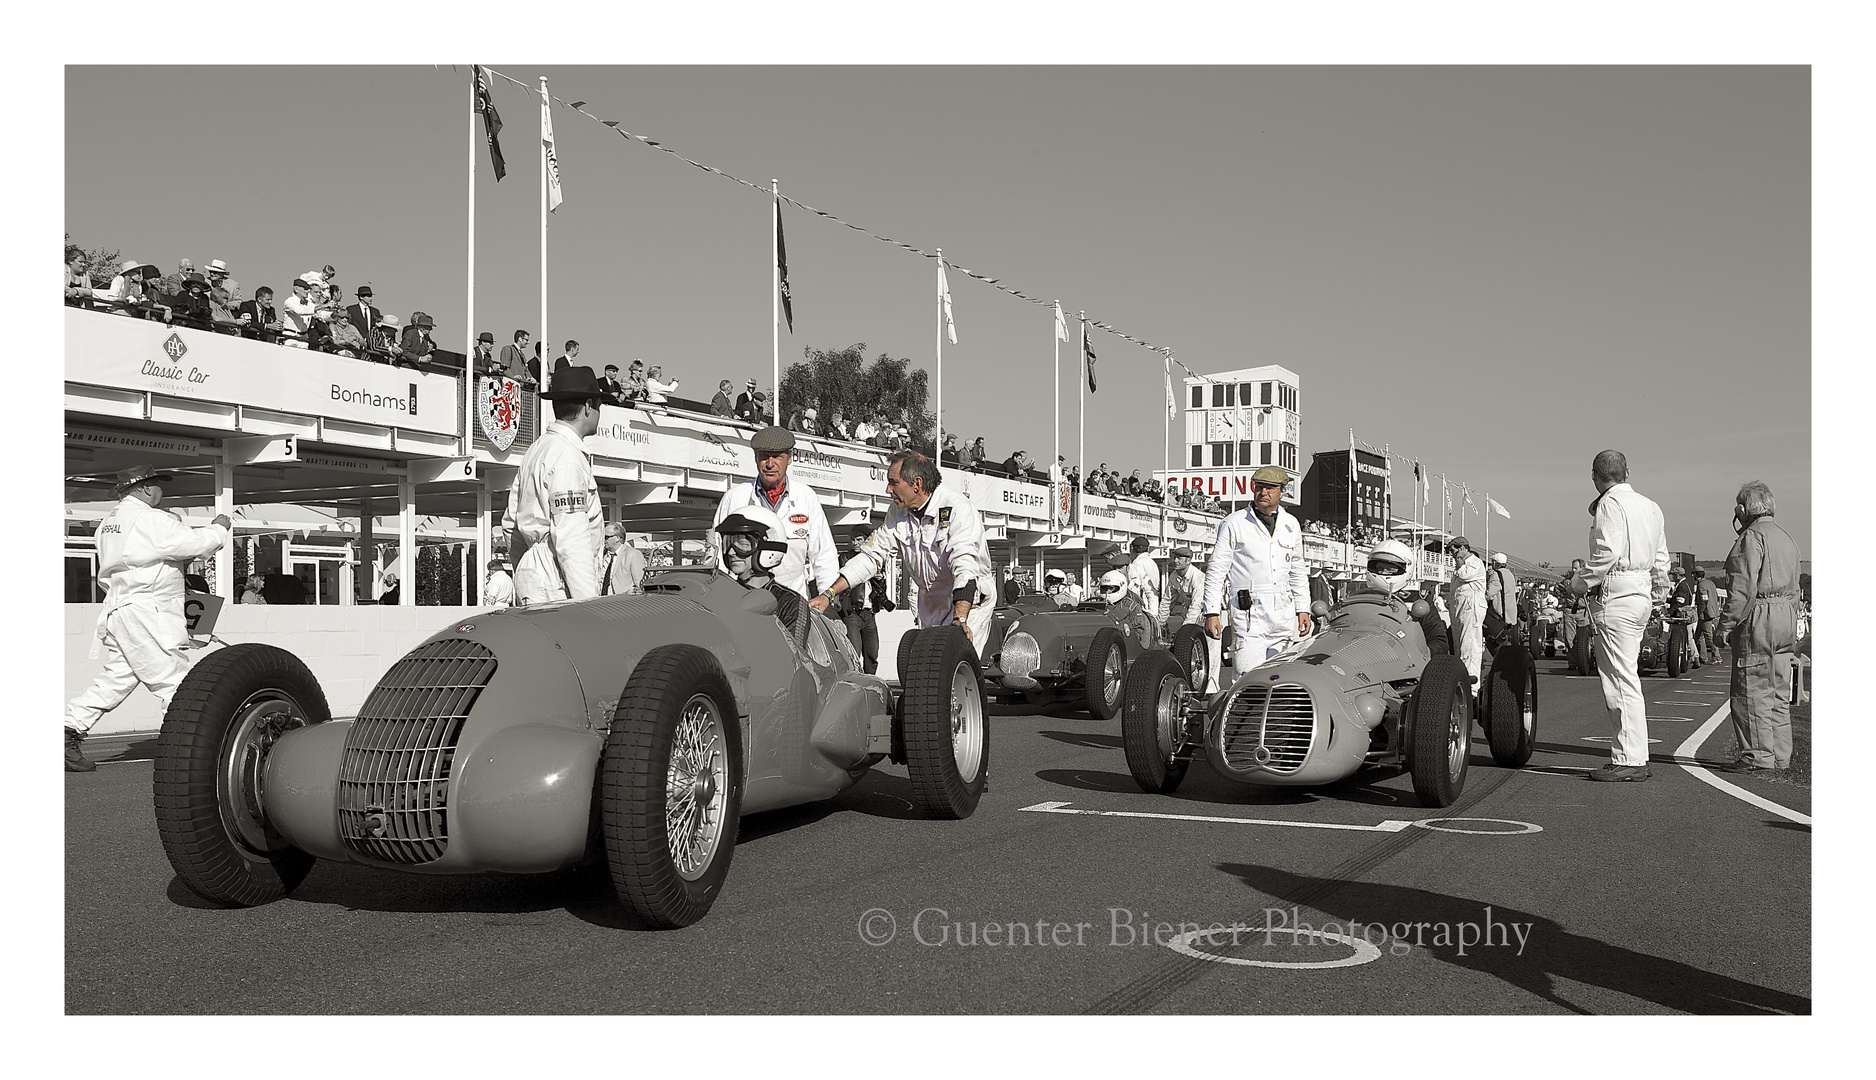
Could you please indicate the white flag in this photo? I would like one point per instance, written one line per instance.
(1465, 496)
(944, 293)
(1497, 507)
(1172, 406)
(1061, 324)
(553, 161)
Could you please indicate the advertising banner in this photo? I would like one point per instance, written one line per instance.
(136, 354)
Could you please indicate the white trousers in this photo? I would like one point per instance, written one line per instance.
(1469, 638)
(140, 644)
(1618, 622)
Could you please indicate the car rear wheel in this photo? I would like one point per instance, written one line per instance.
(1192, 648)
(1583, 652)
(671, 787)
(1153, 727)
(1107, 668)
(211, 763)
(1677, 651)
(947, 751)
(1441, 741)
(1511, 706)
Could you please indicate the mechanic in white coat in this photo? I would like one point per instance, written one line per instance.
(795, 503)
(1257, 571)
(555, 524)
(939, 535)
(1143, 580)
(1465, 599)
(141, 555)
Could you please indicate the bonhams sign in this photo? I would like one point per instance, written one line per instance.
(136, 354)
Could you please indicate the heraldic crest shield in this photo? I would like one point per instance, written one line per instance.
(498, 406)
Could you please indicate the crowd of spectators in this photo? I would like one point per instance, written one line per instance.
(1359, 535)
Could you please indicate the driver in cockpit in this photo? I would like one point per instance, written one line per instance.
(1390, 574)
(755, 547)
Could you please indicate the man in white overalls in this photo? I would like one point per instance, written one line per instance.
(1258, 574)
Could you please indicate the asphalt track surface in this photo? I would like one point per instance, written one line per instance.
(1660, 897)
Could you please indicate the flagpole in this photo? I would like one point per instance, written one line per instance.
(1081, 420)
(1055, 341)
(775, 292)
(1165, 437)
(469, 301)
(546, 361)
(938, 341)
(1488, 521)
(1349, 552)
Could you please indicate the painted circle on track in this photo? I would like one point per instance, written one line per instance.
(1438, 824)
(1365, 952)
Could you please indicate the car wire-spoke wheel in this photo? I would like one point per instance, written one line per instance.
(696, 788)
(671, 787)
(1107, 669)
(1440, 740)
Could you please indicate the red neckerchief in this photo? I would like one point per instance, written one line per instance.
(776, 502)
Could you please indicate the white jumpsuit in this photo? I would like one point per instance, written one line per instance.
(803, 521)
(1143, 583)
(141, 553)
(556, 526)
(1628, 560)
(943, 545)
(1466, 600)
(1268, 563)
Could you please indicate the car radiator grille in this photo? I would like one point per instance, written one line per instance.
(1280, 718)
(394, 775)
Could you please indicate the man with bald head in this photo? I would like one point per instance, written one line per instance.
(1626, 572)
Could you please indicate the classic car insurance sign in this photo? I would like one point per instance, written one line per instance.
(136, 354)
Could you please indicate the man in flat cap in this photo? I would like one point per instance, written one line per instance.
(797, 504)
(555, 525)
(141, 555)
(1257, 573)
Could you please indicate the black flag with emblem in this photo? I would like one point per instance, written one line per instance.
(781, 266)
(1088, 348)
(491, 122)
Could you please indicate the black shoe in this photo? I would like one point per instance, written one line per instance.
(75, 753)
(1744, 766)
(1614, 772)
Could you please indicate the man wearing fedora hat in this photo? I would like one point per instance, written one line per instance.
(555, 525)
(482, 357)
(746, 409)
(362, 314)
(218, 279)
(141, 555)
(804, 524)
(415, 347)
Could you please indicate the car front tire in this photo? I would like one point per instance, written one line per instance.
(671, 787)
(1153, 725)
(947, 747)
(1511, 707)
(1440, 746)
(211, 759)
(1107, 671)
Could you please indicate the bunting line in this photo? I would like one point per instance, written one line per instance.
(995, 283)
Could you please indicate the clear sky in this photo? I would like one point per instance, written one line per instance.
(1497, 270)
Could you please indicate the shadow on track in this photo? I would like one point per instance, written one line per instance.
(1551, 953)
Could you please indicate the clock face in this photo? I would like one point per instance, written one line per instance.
(1218, 427)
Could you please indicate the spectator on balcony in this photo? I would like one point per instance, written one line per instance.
(344, 338)
(837, 427)
(218, 279)
(258, 318)
(77, 282)
(414, 347)
(720, 405)
(803, 421)
(384, 342)
(864, 430)
(978, 454)
(534, 363)
(743, 409)
(657, 391)
(362, 314)
(297, 314)
(170, 286)
(191, 307)
(1074, 477)
(221, 310)
(482, 357)
(325, 285)
(515, 360)
(759, 408)
(1016, 465)
(611, 389)
(635, 381)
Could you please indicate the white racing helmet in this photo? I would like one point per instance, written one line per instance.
(753, 541)
(1390, 567)
(1113, 585)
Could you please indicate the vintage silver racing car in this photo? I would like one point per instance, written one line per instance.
(633, 730)
(1364, 690)
(1048, 653)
